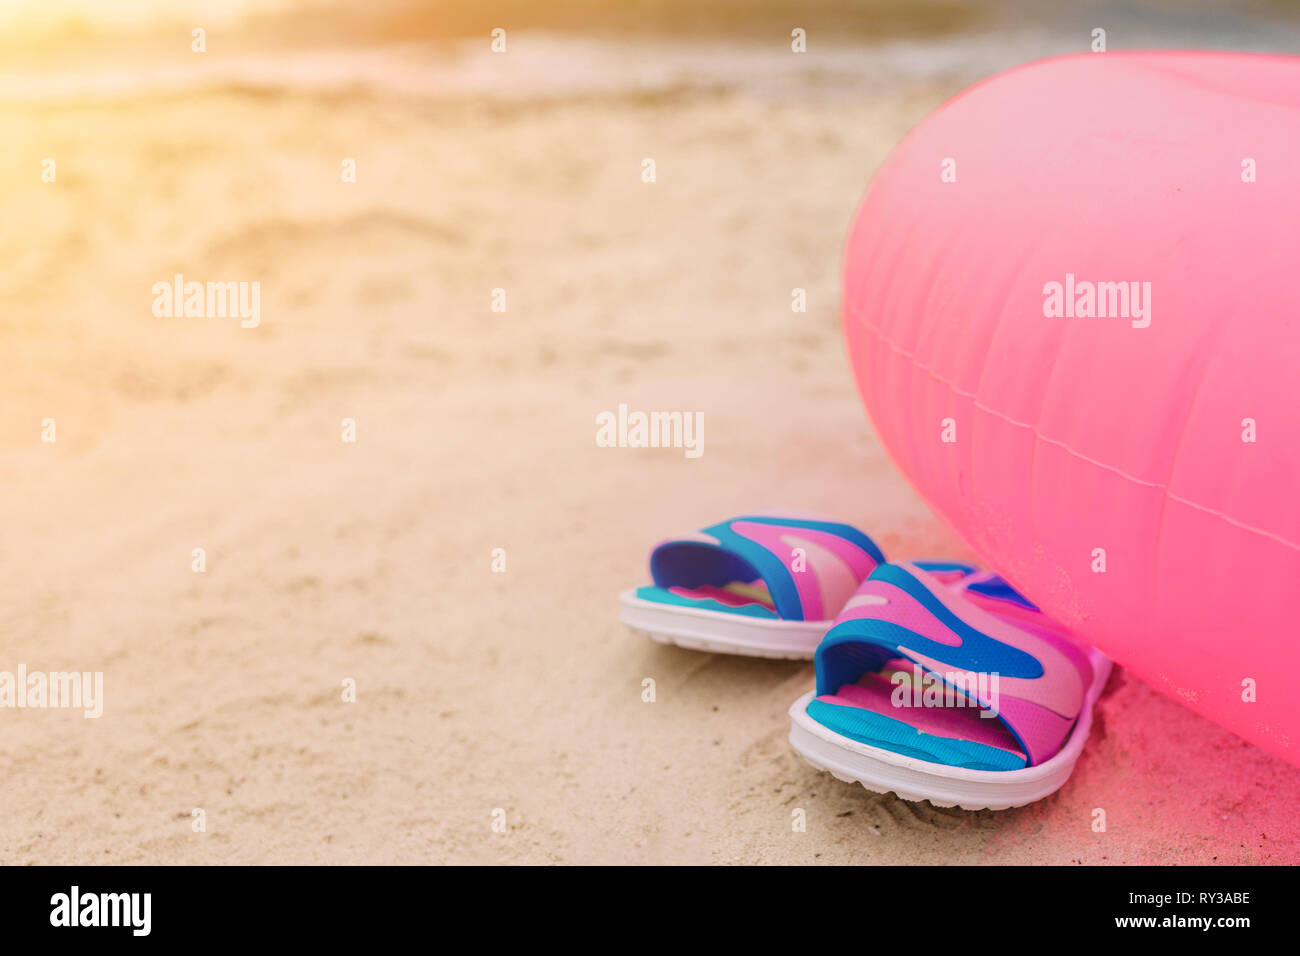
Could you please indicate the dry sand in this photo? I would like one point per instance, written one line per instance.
(475, 430)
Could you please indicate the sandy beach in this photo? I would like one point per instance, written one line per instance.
(480, 694)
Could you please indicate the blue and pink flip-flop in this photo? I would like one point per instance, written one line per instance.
(755, 585)
(961, 693)
(935, 680)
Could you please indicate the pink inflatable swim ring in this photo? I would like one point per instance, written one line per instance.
(1072, 304)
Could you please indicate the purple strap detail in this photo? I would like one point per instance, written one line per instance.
(810, 567)
(1039, 711)
(826, 568)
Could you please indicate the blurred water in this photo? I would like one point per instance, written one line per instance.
(50, 17)
(559, 64)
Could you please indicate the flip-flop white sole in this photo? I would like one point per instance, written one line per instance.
(913, 779)
(719, 632)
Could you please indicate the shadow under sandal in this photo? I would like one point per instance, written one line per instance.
(755, 585)
(962, 694)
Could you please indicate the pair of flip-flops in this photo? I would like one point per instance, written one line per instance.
(935, 680)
